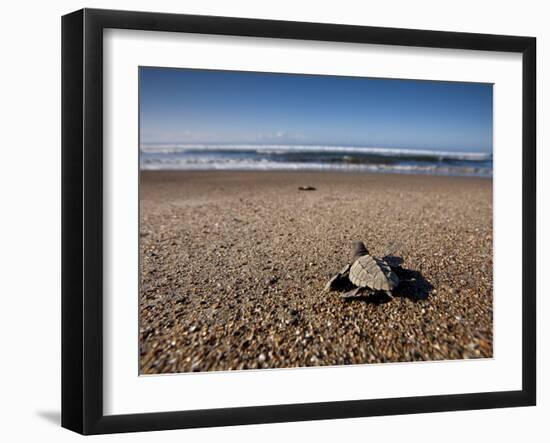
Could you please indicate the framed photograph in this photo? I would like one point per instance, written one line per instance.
(268, 221)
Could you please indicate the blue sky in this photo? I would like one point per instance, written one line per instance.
(200, 106)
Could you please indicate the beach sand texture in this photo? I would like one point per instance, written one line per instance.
(233, 267)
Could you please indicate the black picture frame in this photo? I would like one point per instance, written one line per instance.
(82, 219)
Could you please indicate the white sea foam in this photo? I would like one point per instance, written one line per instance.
(205, 164)
(313, 158)
(282, 149)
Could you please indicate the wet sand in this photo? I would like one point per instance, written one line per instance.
(233, 267)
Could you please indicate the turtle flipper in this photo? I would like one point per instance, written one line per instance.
(393, 261)
(332, 283)
(357, 293)
(354, 293)
(345, 270)
(339, 280)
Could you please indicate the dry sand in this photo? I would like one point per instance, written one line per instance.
(233, 266)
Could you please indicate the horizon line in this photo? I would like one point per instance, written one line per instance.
(318, 145)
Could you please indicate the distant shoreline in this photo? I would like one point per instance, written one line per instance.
(314, 158)
(298, 170)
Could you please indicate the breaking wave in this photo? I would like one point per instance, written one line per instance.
(316, 158)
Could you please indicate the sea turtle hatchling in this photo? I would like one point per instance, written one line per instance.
(366, 274)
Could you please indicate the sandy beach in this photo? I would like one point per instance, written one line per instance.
(233, 267)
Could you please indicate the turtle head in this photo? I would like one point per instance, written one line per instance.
(359, 249)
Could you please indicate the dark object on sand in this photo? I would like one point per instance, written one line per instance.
(307, 188)
(365, 275)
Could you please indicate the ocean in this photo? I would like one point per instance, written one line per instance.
(313, 158)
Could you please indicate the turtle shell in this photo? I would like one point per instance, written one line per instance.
(371, 272)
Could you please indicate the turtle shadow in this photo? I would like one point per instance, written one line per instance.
(412, 285)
